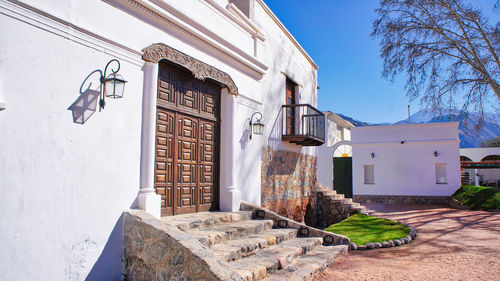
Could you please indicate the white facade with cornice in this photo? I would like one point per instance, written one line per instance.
(338, 144)
(489, 176)
(65, 185)
(409, 159)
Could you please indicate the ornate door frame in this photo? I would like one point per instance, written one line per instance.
(147, 198)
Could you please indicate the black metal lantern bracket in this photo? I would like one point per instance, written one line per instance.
(256, 127)
(113, 79)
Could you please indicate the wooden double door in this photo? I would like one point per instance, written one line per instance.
(187, 142)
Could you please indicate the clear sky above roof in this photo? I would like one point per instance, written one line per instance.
(336, 34)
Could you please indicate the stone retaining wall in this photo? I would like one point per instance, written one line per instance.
(154, 250)
(458, 205)
(331, 211)
(402, 199)
(288, 180)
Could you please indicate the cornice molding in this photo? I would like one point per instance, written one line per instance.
(233, 14)
(163, 15)
(157, 52)
(233, 9)
(50, 23)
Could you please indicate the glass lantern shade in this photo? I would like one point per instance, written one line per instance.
(114, 86)
(258, 128)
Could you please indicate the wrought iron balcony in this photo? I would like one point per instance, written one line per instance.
(302, 124)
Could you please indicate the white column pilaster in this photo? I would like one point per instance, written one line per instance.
(475, 178)
(230, 195)
(147, 198)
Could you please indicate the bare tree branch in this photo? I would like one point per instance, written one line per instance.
(447, 48)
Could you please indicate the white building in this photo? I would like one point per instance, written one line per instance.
(419, 160)
(338, 139)
(490, 176)
(178, 141)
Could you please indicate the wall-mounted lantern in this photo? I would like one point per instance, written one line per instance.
(112, 86)
(436, 154)
(256, 127)
(372, 155)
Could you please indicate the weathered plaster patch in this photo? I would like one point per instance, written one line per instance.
(81, 254)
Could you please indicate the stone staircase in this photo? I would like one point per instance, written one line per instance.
(256, 249)
(333, 207)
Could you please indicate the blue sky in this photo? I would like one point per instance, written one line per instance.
(336, 34)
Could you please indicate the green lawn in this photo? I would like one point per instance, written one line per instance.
(479, 197)
(362, 229)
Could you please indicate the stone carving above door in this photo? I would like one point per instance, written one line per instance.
(156, 52)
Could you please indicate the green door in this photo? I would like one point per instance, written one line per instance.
(342, 175)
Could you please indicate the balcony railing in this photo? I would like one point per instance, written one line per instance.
(302, 124)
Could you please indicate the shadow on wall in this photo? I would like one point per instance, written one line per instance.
(109, 264)
(245, 135)
(274, 140)
(86, 104)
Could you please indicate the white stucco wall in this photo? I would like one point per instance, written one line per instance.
(325, 165)
(336, 145)
(65, 185)
(478, 154)
(406, 168)
(284, 60)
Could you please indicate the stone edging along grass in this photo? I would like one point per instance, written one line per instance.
(386, 244)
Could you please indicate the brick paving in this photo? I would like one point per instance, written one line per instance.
(451, 245)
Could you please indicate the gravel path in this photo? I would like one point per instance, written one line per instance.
(451, 245)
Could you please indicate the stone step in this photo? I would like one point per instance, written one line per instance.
(355, 205)
(258, 266)
(230, 231)
(359, 207)
(307, 266)
(368, 212)
(331, 193)
(344, 201)
(205, 220)
(336, 196)
(246, 246)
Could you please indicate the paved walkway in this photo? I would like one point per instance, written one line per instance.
(451, 245)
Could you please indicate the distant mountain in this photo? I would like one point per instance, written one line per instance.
(358, 123)
(420, 117)
(469, 137)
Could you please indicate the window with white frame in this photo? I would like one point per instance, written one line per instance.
(441, 173)
(369, 174)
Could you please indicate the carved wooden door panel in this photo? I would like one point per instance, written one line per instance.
(207, 196)
(164, 170)
(187, 137)
(186, 177)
